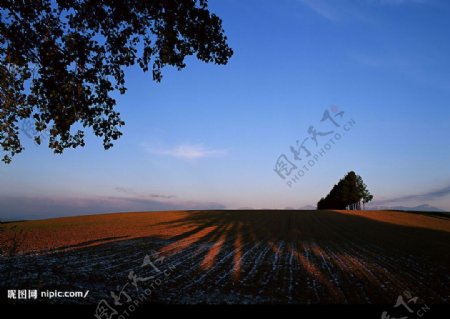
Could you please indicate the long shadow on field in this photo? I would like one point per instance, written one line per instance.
(332, 248)
(250, 227)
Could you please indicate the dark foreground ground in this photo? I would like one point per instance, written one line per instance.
(305, 257)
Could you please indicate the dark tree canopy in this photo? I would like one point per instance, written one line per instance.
(60, 60)
(347, 194)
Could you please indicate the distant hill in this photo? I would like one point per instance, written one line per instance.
(419, 208)
(308, 207)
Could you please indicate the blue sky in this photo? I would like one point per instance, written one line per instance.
(209, 136)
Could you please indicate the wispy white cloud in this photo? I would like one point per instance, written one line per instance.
(391, 60)
(398, 2)
(367, 60)
(338, 10)
(131, 191)
(427, 196)
(322, 8)
(187, 151)
(415, 67)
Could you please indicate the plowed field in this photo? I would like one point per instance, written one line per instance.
(233, 256)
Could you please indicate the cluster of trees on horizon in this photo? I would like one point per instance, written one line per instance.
(349, 193)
